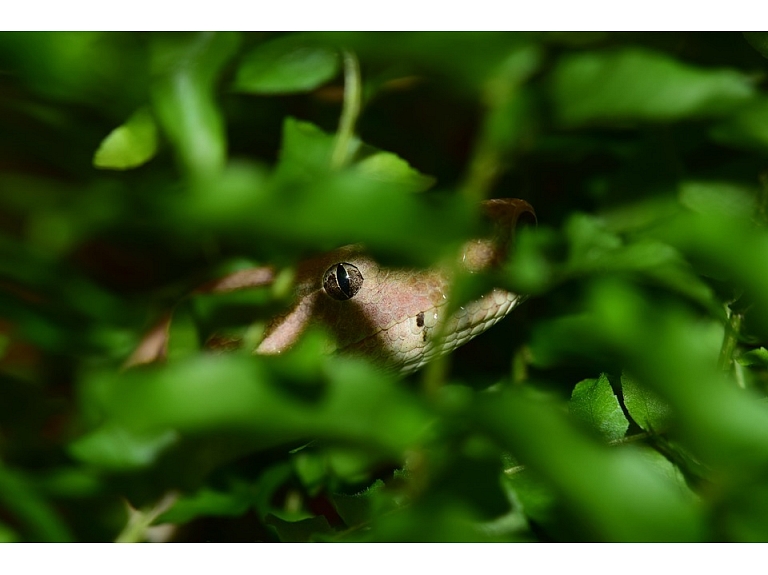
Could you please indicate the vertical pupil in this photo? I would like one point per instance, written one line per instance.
(342, 277)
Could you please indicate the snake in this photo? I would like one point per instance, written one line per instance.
(399, 318)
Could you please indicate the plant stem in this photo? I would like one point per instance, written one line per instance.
(730, 340)
(349, 112)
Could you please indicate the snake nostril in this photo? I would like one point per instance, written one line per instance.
(342, 281)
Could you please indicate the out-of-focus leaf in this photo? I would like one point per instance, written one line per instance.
(722, 199)
(359, 508)
(234, 393)
(645, 407)
(300, 531)
(609, 490)
(30, 509)
(747, 128)
(208, 502)
(745, 517)
(594, 402)
(640, 85)
(130, 145)
(8, 535)
(187, 68)
(593, 248)
(759, 41)
(679, 362)
(116, 448)
(285, 65)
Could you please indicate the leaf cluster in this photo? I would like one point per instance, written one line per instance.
(623, 401)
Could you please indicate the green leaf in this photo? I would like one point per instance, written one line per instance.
(23, 501)
(300, 531)
(645, 407)
(306, 150)
(360, 508)
(130, 145)
(759, 41)
(187, 68)
(8, 535)
(636, 84)
(609, 490)
(390, 169)
(747, 128)
(233, 501)
(116, 448)
(723, 199)
(754, 358)
(286, 65)
(594, 402)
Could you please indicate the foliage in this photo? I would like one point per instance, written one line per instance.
(623, 401)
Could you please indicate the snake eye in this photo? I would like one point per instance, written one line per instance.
(342, 281)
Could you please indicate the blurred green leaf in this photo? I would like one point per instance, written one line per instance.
(634, 84)
(745, 129)
(643, 155)
(116, 448)
(30, 509)
(759, 41)
(300, 531)
(130, 145)
(722, 199)
(187, 68)
(232, 502)
(594, 403)
(614, 494)
(285, 65)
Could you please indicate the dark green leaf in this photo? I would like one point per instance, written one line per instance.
(300, 531)
(759, 41)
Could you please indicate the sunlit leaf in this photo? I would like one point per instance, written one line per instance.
(130, 145)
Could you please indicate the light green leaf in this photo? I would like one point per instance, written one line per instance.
(286, 65)
(389, 168)
(645, 407)
(187, 69)
(594, 402)
(130, 145)
(718, 198)
(306, 149)
(756, 357)
(116, 448)
(641, 85)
